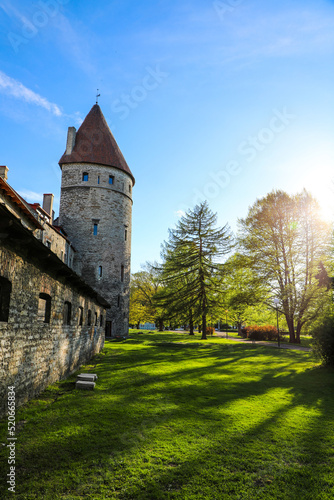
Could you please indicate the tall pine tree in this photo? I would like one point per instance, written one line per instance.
(193, 265)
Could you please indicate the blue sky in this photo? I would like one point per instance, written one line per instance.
(218, 100)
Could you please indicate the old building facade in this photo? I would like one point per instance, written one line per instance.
(96, 213)
(64, 283)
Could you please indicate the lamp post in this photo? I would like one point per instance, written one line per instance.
(226, 324)
(276, 301)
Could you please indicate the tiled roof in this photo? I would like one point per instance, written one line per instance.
(94, 143)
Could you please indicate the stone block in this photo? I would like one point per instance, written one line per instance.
(84, 384)
(90, 377)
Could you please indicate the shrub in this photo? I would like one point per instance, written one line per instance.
(323, 340)
(210, 330)
(264, 332)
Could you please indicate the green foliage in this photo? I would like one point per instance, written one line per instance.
(323, 339)
(285, 239)
(191, 271)
(173, 417)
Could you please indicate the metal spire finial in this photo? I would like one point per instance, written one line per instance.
(97, 96)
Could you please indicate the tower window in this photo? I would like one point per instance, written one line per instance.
(85, 176)
(89, 317)
(95, 323)
(5, 291)
(44, 307)
(95, 229)
(67, 313)
(98, 179)
(111, 179)
(100, 271)
(122, 273)
(129, 188)
(126, 234)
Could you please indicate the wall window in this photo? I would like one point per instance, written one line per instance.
(101, 320)
(95, 322)
(89, 317)
(67, 312)
(44, 308)
(125, 234)
(85, 176)
(129, 188)
(98, 179)
(111, 179)
(100, 272)
(5, 291)
(122, 273)
(80, 319)
(118, 301)
(95, 229)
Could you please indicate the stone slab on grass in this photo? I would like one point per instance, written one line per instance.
(90, 377)
(84, 384)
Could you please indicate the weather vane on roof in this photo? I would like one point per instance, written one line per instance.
(97, 96)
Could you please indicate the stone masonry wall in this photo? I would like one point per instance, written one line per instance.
(34, 354)
(109, 206)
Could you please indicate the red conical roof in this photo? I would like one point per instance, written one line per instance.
(94, 143)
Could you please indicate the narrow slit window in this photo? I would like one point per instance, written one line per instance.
(125, 234)
(111, 179)
(85, 176)
(5, 291)
(118, 301)
(67, 312)
(95, 229)
(89, 317)
(80, 316)
(101, 320)
(95, 323)
(44, 308)
(122, 273)
(100, 272)
(98, 179)
(129, 188)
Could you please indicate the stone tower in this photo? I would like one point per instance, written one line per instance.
(95, 212)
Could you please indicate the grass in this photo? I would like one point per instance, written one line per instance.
(176, 417)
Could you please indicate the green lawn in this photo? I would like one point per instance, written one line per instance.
(176, 417)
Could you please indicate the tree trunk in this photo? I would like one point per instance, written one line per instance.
(298, 330)
(137, 326)
(239, 328)
(291, 327)
(191, 324)
(203, 327)
(161, 325)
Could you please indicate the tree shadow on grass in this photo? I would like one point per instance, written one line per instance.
(127, 414)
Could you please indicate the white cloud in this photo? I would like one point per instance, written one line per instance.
(31, 196)
(180, 213)
(16, 89)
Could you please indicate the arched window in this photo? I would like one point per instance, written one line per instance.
(89, 317)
